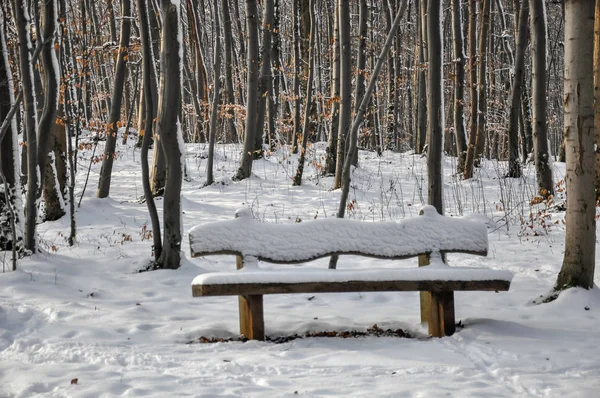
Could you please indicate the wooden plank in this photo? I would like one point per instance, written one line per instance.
(252, 322)
(237, 289)
(441, 320)
(425, 297)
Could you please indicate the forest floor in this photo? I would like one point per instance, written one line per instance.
(82, 322)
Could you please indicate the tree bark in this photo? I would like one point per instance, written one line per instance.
(11, 203)
(232, 134)
(435, 105)
(580, 235)
(538, 91)
(264, 79)
(117, 97)
(147, 76)
(330, 160)
(482, 84)
(30, 120)
(245, 168)
(459, 85)
(472, 89)
(169, 132)
(216, 93)
(297, 180)
(514, 166)
(597, 93)
(345, 89)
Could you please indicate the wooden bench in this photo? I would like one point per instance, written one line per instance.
(429, 236)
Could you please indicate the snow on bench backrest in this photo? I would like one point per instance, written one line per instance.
(301, 242)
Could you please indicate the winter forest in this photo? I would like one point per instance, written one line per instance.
(124, 124)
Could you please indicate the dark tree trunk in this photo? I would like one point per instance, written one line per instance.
(514, 166)
(147, 75)
(245, 168)
(169, 132)
(117, 97)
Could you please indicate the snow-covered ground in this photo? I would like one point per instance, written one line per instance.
(85, 312)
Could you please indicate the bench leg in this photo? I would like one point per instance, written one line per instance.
(252, 324)
(441, 321)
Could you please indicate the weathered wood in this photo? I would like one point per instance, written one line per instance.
(252, 322)
(239, 289)
(425, 298)
(441, 319)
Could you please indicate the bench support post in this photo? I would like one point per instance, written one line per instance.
(441, 321)
(252, 323)
(425, 296)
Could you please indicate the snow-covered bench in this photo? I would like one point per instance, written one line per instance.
(426, 236)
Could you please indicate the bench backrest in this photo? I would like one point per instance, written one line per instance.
(306, 241)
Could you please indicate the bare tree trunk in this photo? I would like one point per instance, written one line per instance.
(117, 97)
(435, 105)
(264, 79)
(147, 75)
(330, 165)
(169, 132)
(30, 118)
(539, 105)
(11, 203)
(422, 79)
(232, 134)
(482, 85)
(245, 168)
(308, 100)
(459, 87)
(55, 207)
(514, 166)
(580, 237)
(597, 93)
(216, 93)
(473, 88)
(297, 75)
(345, 89)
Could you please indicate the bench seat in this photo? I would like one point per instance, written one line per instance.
(429, 278)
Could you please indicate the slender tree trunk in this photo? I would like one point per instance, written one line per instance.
(459, 87)
(216, 94)
(264, 79)
(308, 100)
(482, 84)
(245, 168)
(514, 166)
(55, 207)
(597, 93)
(232, 134)
(435, 104)
(146, 132)
(580, 237)
(473, 88)
(539, 105)
(117, 97)
(297, 75)
(11, 202)
(345, 89)
(21, 13)
(330, 160)
(169, 131)
(422, 79)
